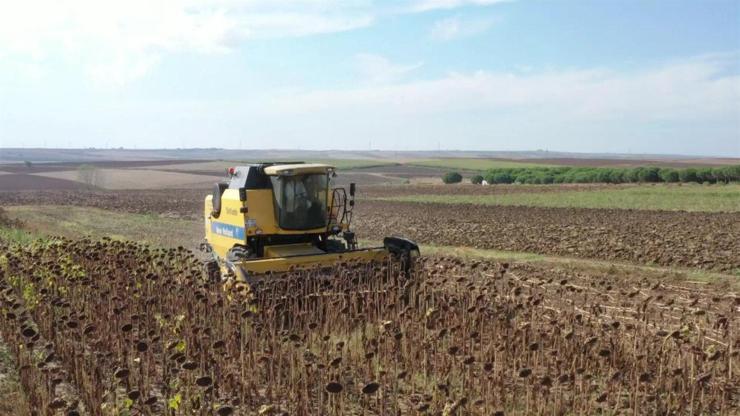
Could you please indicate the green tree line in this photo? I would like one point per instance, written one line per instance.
(646, 174)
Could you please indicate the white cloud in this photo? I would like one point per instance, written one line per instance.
(379, 70)
(458, 27)
(117, 41)
(690, 106)
(426, 5)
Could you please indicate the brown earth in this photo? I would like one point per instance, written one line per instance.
(470, 189)
(23, 182)
(113, 164)
(404, 171)
(187, 203)
(701, 240)
(138, 179)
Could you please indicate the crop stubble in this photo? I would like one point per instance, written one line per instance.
(117, 326)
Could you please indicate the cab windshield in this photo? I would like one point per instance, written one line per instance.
(300, 201)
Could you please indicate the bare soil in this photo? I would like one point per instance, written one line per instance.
(404, 171)
(470, 189)
(113, 164)
(702, 240)
(187, 203)
(23, 182)
(139, 179)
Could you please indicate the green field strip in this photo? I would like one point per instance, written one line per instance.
(699, 198)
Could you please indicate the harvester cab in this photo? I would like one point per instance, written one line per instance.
(277, 217)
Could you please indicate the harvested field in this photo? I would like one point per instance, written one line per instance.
(138, 178)
(456, 338)
(470, 189)
(23, 182)
(366, 179)
(185, 203)
(405, 171)
(112, 164)
(703, 240)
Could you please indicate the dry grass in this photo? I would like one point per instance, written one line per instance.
(75, 222)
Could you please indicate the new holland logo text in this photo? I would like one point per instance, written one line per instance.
(227, 230)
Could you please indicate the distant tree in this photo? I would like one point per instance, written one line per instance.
(648, 174)
(669, 175)
(688, 175)
(734, 172)
(525, 178)
(617, 176)
(644, 174)
(501, 177)
(28, 164)
(720, 174)
(727, 174)
(705, 175)
(547, 178)
(476, 180)
(584, 176)
(452, 177)
(632, 175)
(605, 175)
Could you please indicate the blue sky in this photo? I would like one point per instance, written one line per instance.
(590, 76)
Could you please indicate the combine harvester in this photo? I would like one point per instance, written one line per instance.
(279, 217)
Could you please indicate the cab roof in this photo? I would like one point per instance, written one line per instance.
(297, 169)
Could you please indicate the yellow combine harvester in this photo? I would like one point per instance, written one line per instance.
(277, 217)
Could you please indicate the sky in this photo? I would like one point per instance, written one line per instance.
(611, 76)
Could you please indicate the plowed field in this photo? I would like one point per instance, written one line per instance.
(702, 240)
(23, 182)
(186, 203)
(470, 189)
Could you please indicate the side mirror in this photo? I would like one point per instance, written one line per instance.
(352, 189)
